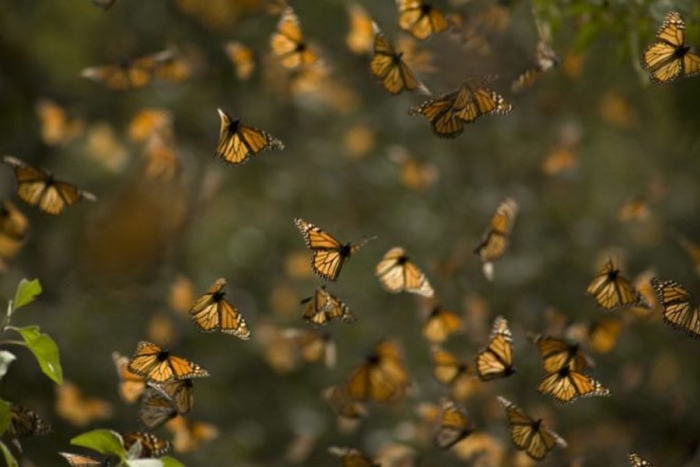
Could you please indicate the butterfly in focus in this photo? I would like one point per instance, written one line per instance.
(188, 436)
(351, 457)
(128, 74)
(453, 425)
(328, 255)
(288, 44)
(57, 128)
(381, 377)
(388, 65)
(151, 445)
(397, 273)
(37, 187)
(530, 435)
(557, 353)
(458, 375)
(495, 240)
(420, 19)
(156, 409)
(242, 58)
(212, 312)
(449, 112)
(546, 60)
(324, 307)
(496, 360)
(78, 409)
(25, 423)
(678, 306)
(237, 142)
(612, 290)
(670, 57)
(131, 385)
(360, 37)
(636, 461)
(78, 460)
(160, 366)
(567, 385)
(440, 324)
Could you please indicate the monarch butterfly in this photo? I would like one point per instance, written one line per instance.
(546, 60)
(389, 67)
(151, 445)
(77, 460)
(612, 290)
(128, 74)
(495, 240)
(180, 392)
(172, 67)
(212, 312)
(78, 409)
(13, 224)
(449, 112)
(342, 404)
(453, 426)
(188, 436)
(25, 423)
(567, 385)
(57, 128)
(558, 353)
(397, 273)
(37, 187)
(311, 346)
(440, 325)
(361, 35)
(670, 57)
(459, 376)
(496, 360)
(327, 254)
(237, 142)
(324, 307)
(288, 44)
(420, 18)
(530, 435)
(156, 409)
(381, 377)
(603, 334)
(636, 461)
(678, 306)
(158, 365)
(242, 58)
(131, 385)
(351, 457)
(415, 174)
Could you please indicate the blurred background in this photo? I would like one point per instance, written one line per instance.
(600, 161)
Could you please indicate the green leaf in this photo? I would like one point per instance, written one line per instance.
(9, 458)
(5, 416)
(171, 462)
(5, 359)
(103, 441)
(144, 463)
(27, 291)
(45, 350)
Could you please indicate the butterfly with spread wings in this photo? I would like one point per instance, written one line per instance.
(670, 57)
(530, 435)
(128, 74)
(397, 273)
(420, 18)
(328, 255)
(324, 307)
(131, 385)
(288, 44)
(212, 312)
(612, 290)
(388, 65)
(567, 385)
(557, 353)
(496, 360)
(546, 60)
(495, 240)
(381, 377)
(160, 366)
(237, 142)
(37, 187)
(449, 112)
(440, 324)
(678, 306)
(361, 34)
(242, 58)
(636, 461)
(453, 425)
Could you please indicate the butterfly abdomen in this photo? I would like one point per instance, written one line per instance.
(163, 355)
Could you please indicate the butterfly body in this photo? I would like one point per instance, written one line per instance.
(158, 365)
(670, 57)
(496, 360)
(528, 434)
(237, 142)
(567, 385)
(612, 290)
(387, 64)
(212, 312)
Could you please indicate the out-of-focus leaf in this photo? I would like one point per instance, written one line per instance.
(171, 462)
(586, 35)
(5, 359)
(103, 441)
(5, 416)
(145, 463)
(26, 292)
(9, 458)
(45, 350)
